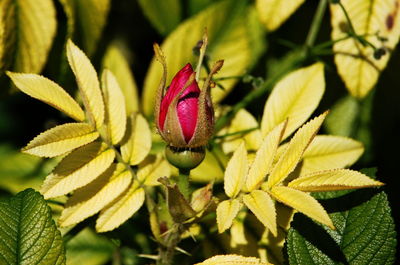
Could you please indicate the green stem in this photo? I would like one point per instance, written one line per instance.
(183, 182)
(167, 251)
(315, 25)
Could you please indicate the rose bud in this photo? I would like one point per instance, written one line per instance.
(184, 114)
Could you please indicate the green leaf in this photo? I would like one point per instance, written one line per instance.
(89, 248)
(28, 234)
(164, 15)
(342, 117)
(231, 27)
(365, 232)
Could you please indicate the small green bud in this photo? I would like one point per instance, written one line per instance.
(185, 158)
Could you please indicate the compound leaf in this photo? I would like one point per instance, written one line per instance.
(226, 212)
(236, 171)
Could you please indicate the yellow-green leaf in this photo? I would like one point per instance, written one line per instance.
(356, 63)
(36, 22)
(330, 152)
(241, 33)
(295, 98)
(61, 139)
(77, 169)
(7, 33)
(93, 197)
(236, 171)
(336, 179)
(232, 260)
(88, 83)
(242, 121)
(117, 61)
(45, 90)
(303, 203)
(138, 143)
(121, 209)
(294, 152)
(261, 204)
(226, 212)
(114, 107)
(264, 157)
(274, 12)
(211, 169)
(152, 168)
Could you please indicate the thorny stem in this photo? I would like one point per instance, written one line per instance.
(167, 251)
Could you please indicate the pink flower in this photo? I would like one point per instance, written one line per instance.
(183, 113)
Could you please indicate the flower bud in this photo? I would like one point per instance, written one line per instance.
(184, 114)
(185, 158)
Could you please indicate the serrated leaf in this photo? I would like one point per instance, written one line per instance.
(33, 24)
(152, 168)
(114, 101)
(356, 63)
(117, 62)
(137, 145)
(232, 259)
(77, 169)
(228, 32)
(262, 163)
(236, 171)
(163, 15)
(294, 152)
(295, 98)
(28, 234)
(88, 83)
(261, 204)
(330, 152)
(242, 121)
(89, 248)
(93, 197)
(303, 203)
(342, 117)
(91, 17)
(45, 90)
(274, 12)
(365, 233)
(336, 179)
(121, 209)
(61, 139)
(226, 212)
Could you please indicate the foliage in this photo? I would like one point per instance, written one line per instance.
(275, 186)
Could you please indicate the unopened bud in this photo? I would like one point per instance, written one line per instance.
(185, 158)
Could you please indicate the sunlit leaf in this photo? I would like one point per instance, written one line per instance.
(228, 32)
(274, 12)
(114, 106)
(232, 259)
(336, 179)
(28, 234)
(262, 163)
(242, 121)
(61, 139)
(211, 169)
(88, 83)
(238, 231)
(261, 204)
(294, 152)
(44, 89)
(117, 62)
(236, 171)
(121, 209)
(152, 168)
(35, 27)
(7, 30)
(303, 203)
(138, 143)
(77, 169)
(226, 212)
(356, 63)
(330, 152)
(164, 15)
(93, 197)
(295, 98)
